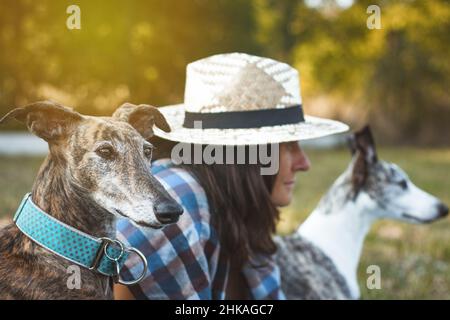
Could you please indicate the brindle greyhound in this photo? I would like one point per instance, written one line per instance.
(97, 169)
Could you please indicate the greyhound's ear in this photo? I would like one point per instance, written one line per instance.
(142, 118)
(363, 148)
(46, 119)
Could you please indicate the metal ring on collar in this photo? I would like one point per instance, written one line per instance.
(144, 271)
(120, 244)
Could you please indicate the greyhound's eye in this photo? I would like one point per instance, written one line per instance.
(403, 184)
(106, 152)
(148, 152)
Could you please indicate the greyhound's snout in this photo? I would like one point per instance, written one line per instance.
(167, 211)
(442, 209)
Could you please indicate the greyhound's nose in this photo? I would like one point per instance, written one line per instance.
(167, 212)
(443, 210)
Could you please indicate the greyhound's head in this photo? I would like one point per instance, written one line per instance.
(384, 189)
(108, 157)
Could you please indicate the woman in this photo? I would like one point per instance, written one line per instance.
(221, 248)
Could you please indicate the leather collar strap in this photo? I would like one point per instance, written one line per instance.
(104, 255)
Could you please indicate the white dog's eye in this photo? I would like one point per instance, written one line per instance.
(403, 184)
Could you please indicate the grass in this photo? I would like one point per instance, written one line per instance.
(414, 260)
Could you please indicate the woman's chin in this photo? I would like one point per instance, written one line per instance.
(284, 200)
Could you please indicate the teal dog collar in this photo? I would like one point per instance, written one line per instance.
(103, 255)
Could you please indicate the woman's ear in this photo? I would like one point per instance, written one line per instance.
(142, 117)
(46, 119)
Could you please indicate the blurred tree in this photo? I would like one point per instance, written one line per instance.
(398, 76)
(409, 84)
(125, 50)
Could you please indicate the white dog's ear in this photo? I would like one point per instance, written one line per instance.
(142, 117)
(365, 143)
(363, 148)
(351, 143)
(46, 119)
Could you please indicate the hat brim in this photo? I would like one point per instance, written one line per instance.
(313, 127)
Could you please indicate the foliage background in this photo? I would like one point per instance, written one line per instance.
(398, 76)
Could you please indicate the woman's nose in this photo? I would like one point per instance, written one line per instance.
(301, 161)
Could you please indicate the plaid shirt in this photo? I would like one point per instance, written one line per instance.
(184, 259)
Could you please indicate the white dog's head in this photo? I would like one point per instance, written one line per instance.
(386, 189)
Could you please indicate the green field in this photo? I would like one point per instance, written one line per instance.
(414, 260)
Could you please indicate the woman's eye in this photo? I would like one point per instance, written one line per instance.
(148, 151)
(403, 184)
(105, 152)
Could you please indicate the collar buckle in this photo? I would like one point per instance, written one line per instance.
(103, 251)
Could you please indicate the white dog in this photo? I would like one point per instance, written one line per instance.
(320, 260)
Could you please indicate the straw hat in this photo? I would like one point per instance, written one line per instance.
(240, 99)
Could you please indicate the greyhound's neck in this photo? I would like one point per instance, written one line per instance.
(339, 231)
(56, 193)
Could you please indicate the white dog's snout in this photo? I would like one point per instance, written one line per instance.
(442, 210)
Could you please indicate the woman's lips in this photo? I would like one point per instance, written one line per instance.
(289, 184)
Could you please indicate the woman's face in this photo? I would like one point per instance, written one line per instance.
(292, 159)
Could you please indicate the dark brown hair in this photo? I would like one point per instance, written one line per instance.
(239, 199)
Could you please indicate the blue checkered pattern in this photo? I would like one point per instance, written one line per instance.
(185, 260)
(63, 240)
